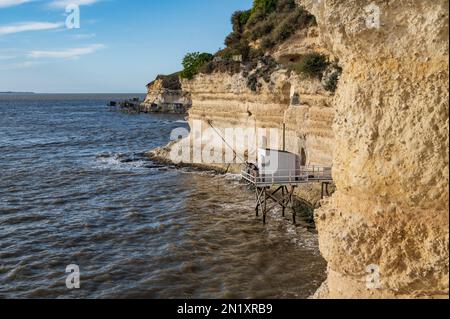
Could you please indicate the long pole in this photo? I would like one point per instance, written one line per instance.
(225, 141)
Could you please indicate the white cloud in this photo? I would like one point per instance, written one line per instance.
(28, 26)
(66, 54)
(64, 3)
(12, 3)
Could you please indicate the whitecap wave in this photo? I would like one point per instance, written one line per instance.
(118, 161)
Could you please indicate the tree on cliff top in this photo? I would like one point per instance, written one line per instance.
(192, 62)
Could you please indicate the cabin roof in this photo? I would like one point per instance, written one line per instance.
(275, 150)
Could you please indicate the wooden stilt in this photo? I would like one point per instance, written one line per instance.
(321, 191)
(292, 205)
(325, 190)
(265, 206)
(257, 202)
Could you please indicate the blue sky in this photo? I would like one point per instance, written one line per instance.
(120, 46)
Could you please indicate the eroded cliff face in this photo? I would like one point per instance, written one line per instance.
(302, 104)
(390, 212)
(165, 94)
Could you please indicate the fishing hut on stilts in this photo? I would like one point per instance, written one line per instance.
(277, 174)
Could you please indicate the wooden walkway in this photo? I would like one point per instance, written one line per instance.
(304, 175)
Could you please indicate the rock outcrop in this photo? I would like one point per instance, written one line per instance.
(385, 231)
(166, 95)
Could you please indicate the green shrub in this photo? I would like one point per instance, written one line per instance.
(255, 17)
(332, 82)
(207, 68)
(224, 66)
(261, 29)
(226, 54)
(312, 65)
(283, 31)
(267, 43)
(252, 83)
(232, 39)
(287, 26)
(243, 48)
(239, 19)
(245, 16)
(192, 63)
(331, 77)
(293, 21)
(264, 6)
(279, 25)
(285, 5)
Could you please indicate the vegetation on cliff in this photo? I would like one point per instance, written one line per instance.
(316, 65)
(312, 65)
(256, 32)
(170, 82)
(192, 63)
(268, 23)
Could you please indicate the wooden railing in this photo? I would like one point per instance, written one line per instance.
(305, 174)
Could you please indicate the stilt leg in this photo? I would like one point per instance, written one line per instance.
(265, 206)
(283, 201)
(292, 205)
(257, 202)
(321, 196)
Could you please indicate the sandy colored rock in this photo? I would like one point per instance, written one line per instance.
(165, 94)
(391, 149)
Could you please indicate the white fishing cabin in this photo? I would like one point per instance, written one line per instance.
(282, 170)
(278, 166)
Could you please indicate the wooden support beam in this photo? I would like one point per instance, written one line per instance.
(265, 206)
(257, 201)
(325, 190)
(276, 200)
(259, 193)
(263, 194)
(321, 191)
(292, 204)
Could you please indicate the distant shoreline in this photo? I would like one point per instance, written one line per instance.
(11, 92)
(45, 93)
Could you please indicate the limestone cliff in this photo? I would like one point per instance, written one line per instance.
(165, 94)
(390, 212)
(227, 101)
